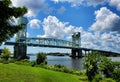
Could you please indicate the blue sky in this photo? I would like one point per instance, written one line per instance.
(97, 20)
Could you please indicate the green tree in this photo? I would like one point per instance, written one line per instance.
(107, 67)
(116, 75)
(7, 12)
(41, 57)
(6, 53)
(91, 64)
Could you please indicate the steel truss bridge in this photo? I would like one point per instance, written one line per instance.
(54, 43)
(46, 42)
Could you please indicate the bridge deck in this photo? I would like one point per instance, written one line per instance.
(54, 46)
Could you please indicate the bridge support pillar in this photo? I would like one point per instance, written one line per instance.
(20, 51)
(76, 53)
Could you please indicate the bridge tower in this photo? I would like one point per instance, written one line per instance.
(20, 49)
(76, 52)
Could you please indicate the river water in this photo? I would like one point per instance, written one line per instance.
(68, 61)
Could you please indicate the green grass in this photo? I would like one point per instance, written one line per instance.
(20, 73)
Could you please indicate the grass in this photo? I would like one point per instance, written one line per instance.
(19, 73)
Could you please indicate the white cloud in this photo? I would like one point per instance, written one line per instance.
(115, 3)
(106, 20)
(33, 6)
(54, 28)
(73, 2)
(105, 41)
(35, 23)
(96, 2)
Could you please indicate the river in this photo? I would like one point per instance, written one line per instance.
(68, 61)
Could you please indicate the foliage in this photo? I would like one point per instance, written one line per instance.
(97, 66)
(7, 12)
(91, 64)
(116, 75)
(41, 57)
(5, 53)
(97, 78)
(116, 65)
(107, 80)
(24, 62)
(107, 67)
(59, 66)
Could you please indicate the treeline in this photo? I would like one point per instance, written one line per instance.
(58, 54)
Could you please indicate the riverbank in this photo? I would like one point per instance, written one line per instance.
(19, 73)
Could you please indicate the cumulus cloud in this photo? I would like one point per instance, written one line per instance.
(35, 23)
(54, 28)
(105, 41)
(106, 20)
(33, 6)
(96, 2)
(115, 3)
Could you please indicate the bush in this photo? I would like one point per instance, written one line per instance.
(107, 80)
(91, 64)
(23, 62)
(97, 78)
(116, 65)
(6, 53)
(107, 67)
(33, 63)
(58, 66)
(41, 57)
(83, 78)
(116, 75)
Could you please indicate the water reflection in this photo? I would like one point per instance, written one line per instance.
(76, 63)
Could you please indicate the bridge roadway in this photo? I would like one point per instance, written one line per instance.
(54, 43)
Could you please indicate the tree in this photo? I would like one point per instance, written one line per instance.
(91, 64)
(6, 53)
(7, 12)
(41, 57)
(107, 67)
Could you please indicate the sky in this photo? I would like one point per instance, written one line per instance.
(97, 20)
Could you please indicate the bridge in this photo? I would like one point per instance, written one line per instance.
(53, 43)
(47, 42)
(21, 43)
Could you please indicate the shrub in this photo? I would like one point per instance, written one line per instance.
(23, 62)
(58, 66)
(6, 53)
(33, 63)
(41, 57)
(83, 78)
(107, 67)
(78, 72)
(97, 78)
(91, 64)
(107, 80)
(116, 75)
(116, 65)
